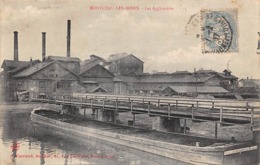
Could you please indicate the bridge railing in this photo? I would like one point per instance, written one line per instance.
(168, 106)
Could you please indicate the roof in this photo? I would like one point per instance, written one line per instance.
(251, 80)
(84, 68)
(119, 56)
(87, 67)
(182, 72)
(65, 59)
(24, 66)
(165, 78)
(160, 73)
(92, 59)
(227, 77)
(198, 89)
(96, 89)
(12, 63)
(201, 71)
(34, 69)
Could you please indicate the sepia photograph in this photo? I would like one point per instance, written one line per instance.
(129, 82)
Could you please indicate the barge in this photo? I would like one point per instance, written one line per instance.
(216, 153)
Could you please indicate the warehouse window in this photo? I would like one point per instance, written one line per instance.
(42, 84)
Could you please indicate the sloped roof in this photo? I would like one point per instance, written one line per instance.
(65, 59)
(256, 81)
(227, 77)
(202, 71)
(198, 89)
(243, 90)
(34, 69)
(85, 68)
(95, 89)
(12, 63)
(24, 66)
(165, 78)
(92, 59)
(119, 56)
(171, 79)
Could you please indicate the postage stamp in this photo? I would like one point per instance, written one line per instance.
(219, 31)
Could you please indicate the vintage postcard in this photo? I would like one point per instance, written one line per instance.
(135, 82)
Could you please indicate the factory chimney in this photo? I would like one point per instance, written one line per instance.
(15, 46)
(68, 38)
(43, 46)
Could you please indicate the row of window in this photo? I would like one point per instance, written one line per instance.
(60, 85)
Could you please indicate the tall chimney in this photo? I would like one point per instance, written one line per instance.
(43, 46)
(68, 38)
(16, 46)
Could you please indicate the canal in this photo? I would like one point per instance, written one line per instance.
(23, 142)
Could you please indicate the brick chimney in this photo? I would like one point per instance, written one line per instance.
(68, 38)
(43, 46)
(16, 46)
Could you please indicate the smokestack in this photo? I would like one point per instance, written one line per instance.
(68, 38)
(16, 46)
(43, 46)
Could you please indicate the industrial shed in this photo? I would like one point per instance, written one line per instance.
(193, 90)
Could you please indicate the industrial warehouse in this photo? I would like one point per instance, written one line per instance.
(119, 74)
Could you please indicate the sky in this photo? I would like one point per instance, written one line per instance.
(162, 39)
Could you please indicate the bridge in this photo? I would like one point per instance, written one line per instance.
(166, 110)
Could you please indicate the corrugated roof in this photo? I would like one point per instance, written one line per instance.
(61, 58)
(198, 89)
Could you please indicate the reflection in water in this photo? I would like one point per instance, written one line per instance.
(14, 149)
(23, 141)
(42, 154)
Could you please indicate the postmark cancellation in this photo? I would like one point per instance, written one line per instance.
(219, 31)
